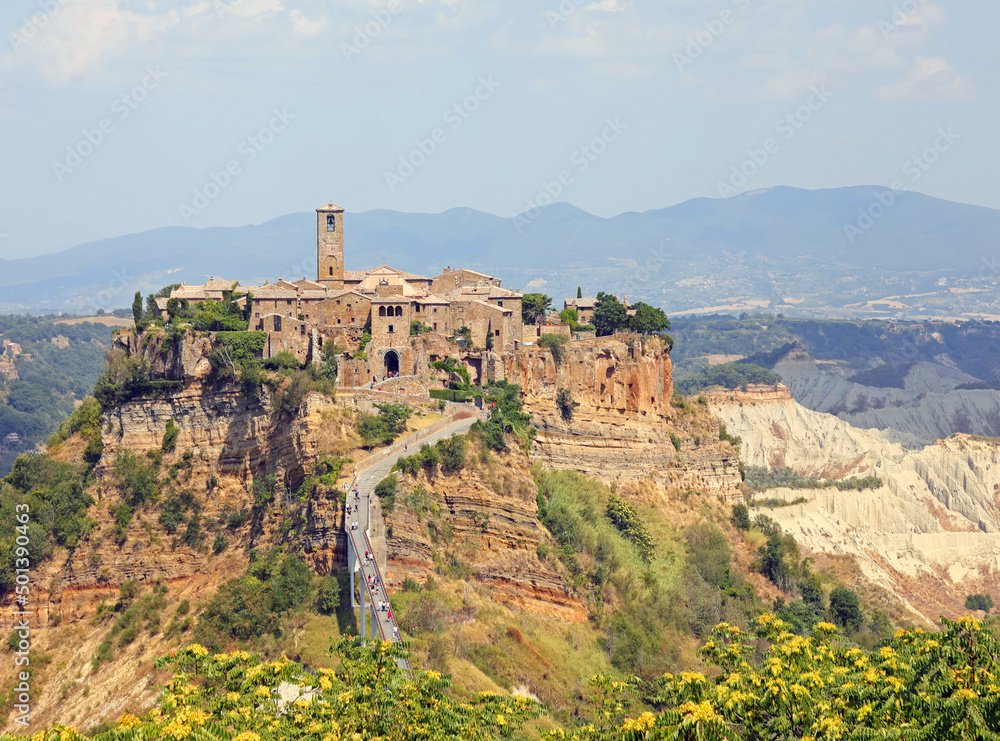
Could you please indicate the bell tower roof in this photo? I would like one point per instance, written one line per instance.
(329, 207)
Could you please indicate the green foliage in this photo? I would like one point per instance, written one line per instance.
(328, 595)
(569, 316)
(845, 609)
(252, 605)
(565, 404)
(506, 416)
(283, 360)
(418, 328)
(610, 315)
(626, 520)
(451, 395)
(982, 602)
(735, 440)
(452, 366)
(675, 441)
(760, 478)
(534, 307)
(741, 517)
(452, 452)
(466, 334)
(138, 479)
(728, 376)
(243, 345)
(648, 319)
(170, 437)
(554, 343)
(385, 426)
(287, 400)
(137, 312)
(125, 378)
(386, 488)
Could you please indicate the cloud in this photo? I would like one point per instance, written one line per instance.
(80, 36)
(928, 79)
(307, 27)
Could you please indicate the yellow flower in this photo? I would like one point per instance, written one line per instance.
(966, 694)
(643, 723)
(247, 736)
(128, 721)
(703, 712)
(198, 650)
(501, 720)
(826, 628)
(176, 729)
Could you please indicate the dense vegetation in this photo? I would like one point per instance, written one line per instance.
(51, 378)
(768, 683)
(728, 376)
(760, 478)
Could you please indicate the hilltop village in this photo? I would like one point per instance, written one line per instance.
(395, 323)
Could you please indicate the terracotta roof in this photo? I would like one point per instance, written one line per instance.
(306, 285)
(580, 303)
(313, 295)
(329, 207)
(220, 285)
(463, 270)
(354, 275)
(341, 294)
(272, 293)
(492, 307)
(486, 291)
(432, 299)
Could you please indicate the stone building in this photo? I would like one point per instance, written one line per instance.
(584, 308)
(402, 311)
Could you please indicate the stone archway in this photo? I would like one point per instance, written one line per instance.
(390, 362)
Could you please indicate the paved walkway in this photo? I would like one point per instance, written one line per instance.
(364, 483)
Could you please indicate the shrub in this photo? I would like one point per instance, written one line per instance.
(170, 437)
(385, 426)
(675, 441)
(625, 518)
(328, 595)
(845, 609)
(283, 360)
(452, 453)
(288, 398)
(554, 343)
(741, 517)
(982, 602)
(565, 404)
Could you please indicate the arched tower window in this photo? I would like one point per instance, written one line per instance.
(331, 223)
(399, 311)
(381, 311)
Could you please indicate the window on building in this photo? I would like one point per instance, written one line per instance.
(399, 311)
(435, 326)
(331, 270)
(391, 329)
(277, 324)
(435, 310)
(288, 302)
(381, 311)
(499, 303)
(338, 321)
(256, 315)
(496, 332)
(331, 223)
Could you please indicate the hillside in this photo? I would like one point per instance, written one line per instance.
(783, 248)
(47, 367)
(199, 491)
(930, 534)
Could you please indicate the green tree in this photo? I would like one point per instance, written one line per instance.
(534, 307)
(845, 609)
(137, 310)
(609, 315)
(648, 319)
(982, 602)
(579, 292)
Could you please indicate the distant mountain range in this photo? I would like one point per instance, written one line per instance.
(857, 251)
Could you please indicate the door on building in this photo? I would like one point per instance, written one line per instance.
(391, 360)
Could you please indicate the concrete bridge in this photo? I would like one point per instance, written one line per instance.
(361, 556)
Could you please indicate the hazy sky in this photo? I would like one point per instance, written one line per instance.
(124, 115)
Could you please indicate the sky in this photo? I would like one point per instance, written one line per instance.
(119, 116)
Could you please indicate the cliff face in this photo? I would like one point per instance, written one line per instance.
(623, 418)
(481, 523)
(930, 534)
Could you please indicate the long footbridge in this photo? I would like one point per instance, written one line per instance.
(361, 555)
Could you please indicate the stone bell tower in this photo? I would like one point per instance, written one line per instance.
(330, 245)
